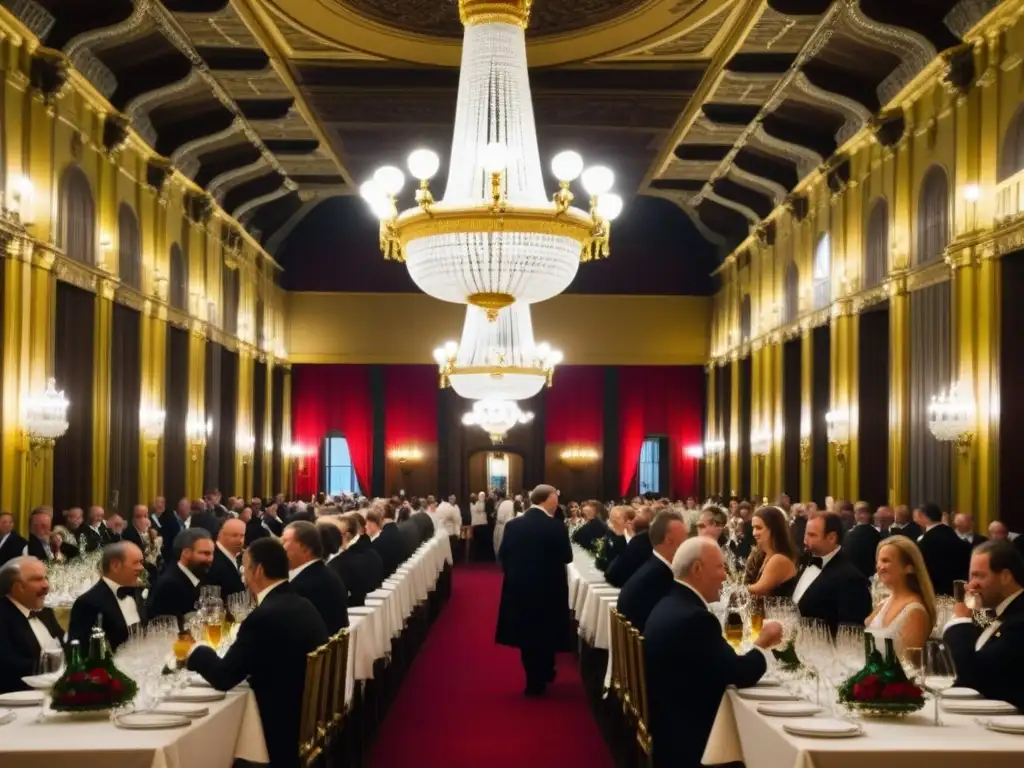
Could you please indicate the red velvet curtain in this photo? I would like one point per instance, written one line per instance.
(574, 406)
(410, 406)
(664, 401)
(332, 398)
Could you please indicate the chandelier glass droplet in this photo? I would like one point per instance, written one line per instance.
(496, 417)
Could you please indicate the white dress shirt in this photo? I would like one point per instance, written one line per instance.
(811, 573)
(262, 594)
(3, 539)
(296, 571)
(43, 636)
(228, 555)
(191, 576)
(127, 604)
(668, 565)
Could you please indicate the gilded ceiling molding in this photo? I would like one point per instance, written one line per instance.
(682, 200)
(759, 184)
(138, 108)
(806, 159)
(746, 87)
(706, 131)
(291, 127)
(253, 84)
(36, 19)
(750, 215)
(855, 114)
(966, 14)
(223, 183)
(777, 32)
(251, 205)
(96, 72)
(698, 170)
(186, 157)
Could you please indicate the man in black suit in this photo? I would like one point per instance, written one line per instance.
(946, 556)
(595, 527)
(654, 578)
(356, 562)
(25, 625)
(115, 599)
(270, 650)
(637, 551)
(534, 611)
(310, 576)
(385, 539)
(829, 587)
(411, 534)
(963, 524)
(990, 660)
(614, 541)
(905, 525)
(424, 522)
(683, 697)
(201, 517)
(177, 590)
(172, 522)
(11, 544)
(43, 543)
(227, 558)
(861, 542)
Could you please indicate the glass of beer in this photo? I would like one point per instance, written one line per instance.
(181, 648)
(734, 629)
(214, 626)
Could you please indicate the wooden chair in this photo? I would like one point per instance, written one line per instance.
(618, 681)
(314, 699)
(639, 691)
(337, 651)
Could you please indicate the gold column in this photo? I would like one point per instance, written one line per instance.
(843, 460)
(154, 372)
(899, 388)
(757, 462)
(806, 417)
(778, 419)
(196, 452)
(102, 339)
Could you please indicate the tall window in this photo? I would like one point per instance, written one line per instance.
(745, 318)
(933, 216)
(792, 293)
(76, 216)
(339, 474)
(129, 255)
(178, 279)
(876, 254)
(649, 472)
(229, 299)
(823, 272)
(1012, 158)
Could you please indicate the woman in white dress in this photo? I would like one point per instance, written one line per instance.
(908, 614)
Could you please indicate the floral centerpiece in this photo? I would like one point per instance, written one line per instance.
(881, 688)
(92, 683)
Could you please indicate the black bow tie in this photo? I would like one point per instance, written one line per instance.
(123, 592)
(816, 561)
(35, 614)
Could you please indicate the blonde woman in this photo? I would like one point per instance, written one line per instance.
(908, 614)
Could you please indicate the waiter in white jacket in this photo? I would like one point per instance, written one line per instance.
(505, 512)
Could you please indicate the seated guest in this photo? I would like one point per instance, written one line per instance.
(115, 528)
(358, 565)
(26, 627)
(713, 523)
(270, 650)
(310, 576)
(74, 523)
(683, 697)
(202, 517)
(997, 531)
(946, 556)
(384, 536)
(861, 542)
(43, 542)
(173, 522)
(115, 600)
(990, 660)
(908, 614)
(11, 544)
(963, 524)
(772, 563)
(829, 586)
(884, 519)
(177, 590)
(143, 535)
(227, 558)
(654, 578)
(904, 524)
(270, 518)
(96, 533)
(593, 528)
(614, 541)
(637, 551)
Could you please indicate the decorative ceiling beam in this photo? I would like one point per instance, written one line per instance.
(186, 157)
(855, 114)
(138, 108)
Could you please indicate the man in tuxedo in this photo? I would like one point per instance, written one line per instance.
(654, 578)
(884, 518)
(11, 544)
(270, 650)
(615, 540)
(358, 565)
(172, 523)
(227, 558)
(946, 556)
(115, 599)
(177, 590)
(213, 502)
(534, 611)
(683, 697)
(829, 586)
(74, 522)
(26, 627)
(904, 524)
(43, 543)
(637, 551)
(861, 542)
(310, 576)
(594, 528)
(990, 660)
(385, 538)
(963, 524)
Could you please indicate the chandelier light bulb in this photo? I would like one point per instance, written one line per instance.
(567, 165)
(423, 164)
(439, 356)
(371, 192)
(543, 349)
(383, 209)
(494, 157)
(451, 348)
(598, 180)
(389, 179)
(609, 206)
(555, 358)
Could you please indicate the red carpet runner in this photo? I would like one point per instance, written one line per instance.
(462, 703)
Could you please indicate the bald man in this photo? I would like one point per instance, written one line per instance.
(116, 599)
(227, 557)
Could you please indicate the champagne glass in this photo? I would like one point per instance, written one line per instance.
(213, 621)
(939, 672)
(51, 663)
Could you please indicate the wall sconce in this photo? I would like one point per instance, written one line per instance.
(245, 444)
(713, 448)
(151, 423)
(106, 246)
(407, 458)
(952, 418)
(298, 454)
(837, 425)
(805, 439)
(760, 443)
(45, 418)
(695, 452)
(972, 193)
(197, 432)
(23, 198)
(579, 456)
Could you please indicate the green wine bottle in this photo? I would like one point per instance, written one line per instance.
(893, 670)
(97, 647)
(76, 663)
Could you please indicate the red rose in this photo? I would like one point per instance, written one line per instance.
(100, 676)
(867, 689)
(78, 677)
(116, 686)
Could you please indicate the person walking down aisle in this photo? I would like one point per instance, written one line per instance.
(534, 612)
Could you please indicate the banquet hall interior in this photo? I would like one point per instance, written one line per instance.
(335, 267)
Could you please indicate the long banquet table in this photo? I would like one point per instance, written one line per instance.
(232, 730)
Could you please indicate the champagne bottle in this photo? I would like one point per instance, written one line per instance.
(892, 669)
(97, 647)
(75, 661)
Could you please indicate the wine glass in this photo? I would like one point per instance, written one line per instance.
(939, 672)
(50, 663)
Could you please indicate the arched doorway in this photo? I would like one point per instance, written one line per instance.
(496, 470)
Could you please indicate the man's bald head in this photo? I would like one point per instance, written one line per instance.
(232, 536)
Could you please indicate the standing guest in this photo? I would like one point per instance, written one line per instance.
(173, 522)
(115, 600)
(43, 542)
(884, 518)
(963, 524)
(772, 565)
(270, 650)
(990, 660)
(593, 528)
(904, 524)
(11, 544)
(159, 508)
(653, 580)
(799, 514)
(26, 626)
(636, 553)
(684, 697)
(534, 611)
(946, 555)
(201, 516)
(227, 558)
(177, 590)
(310, 576)
(861, 541)
(385, 538)
(997, 531)
(482, 549)
(447, 517)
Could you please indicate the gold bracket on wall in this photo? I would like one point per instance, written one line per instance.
(805, 450)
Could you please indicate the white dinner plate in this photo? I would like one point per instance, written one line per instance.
(7, 715)
(766, 694)
(182, 708)
(789, 709)
(150, 721)
(822, 728)
(197, 695)
(21, 699)
(979, 707)
(1007, 724)
(41, 682)
(960, 693)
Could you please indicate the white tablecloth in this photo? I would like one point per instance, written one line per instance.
(231, 730)
(592, 599)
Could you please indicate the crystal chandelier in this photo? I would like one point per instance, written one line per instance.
(46, 415)
(951, 418)
(497, 360)
(495, 237)
(496, 417)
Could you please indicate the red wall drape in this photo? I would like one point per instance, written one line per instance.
(574, 406)
(328, 398)
(661, 401)
(410, 406)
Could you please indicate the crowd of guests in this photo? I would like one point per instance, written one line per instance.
(304, 563)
